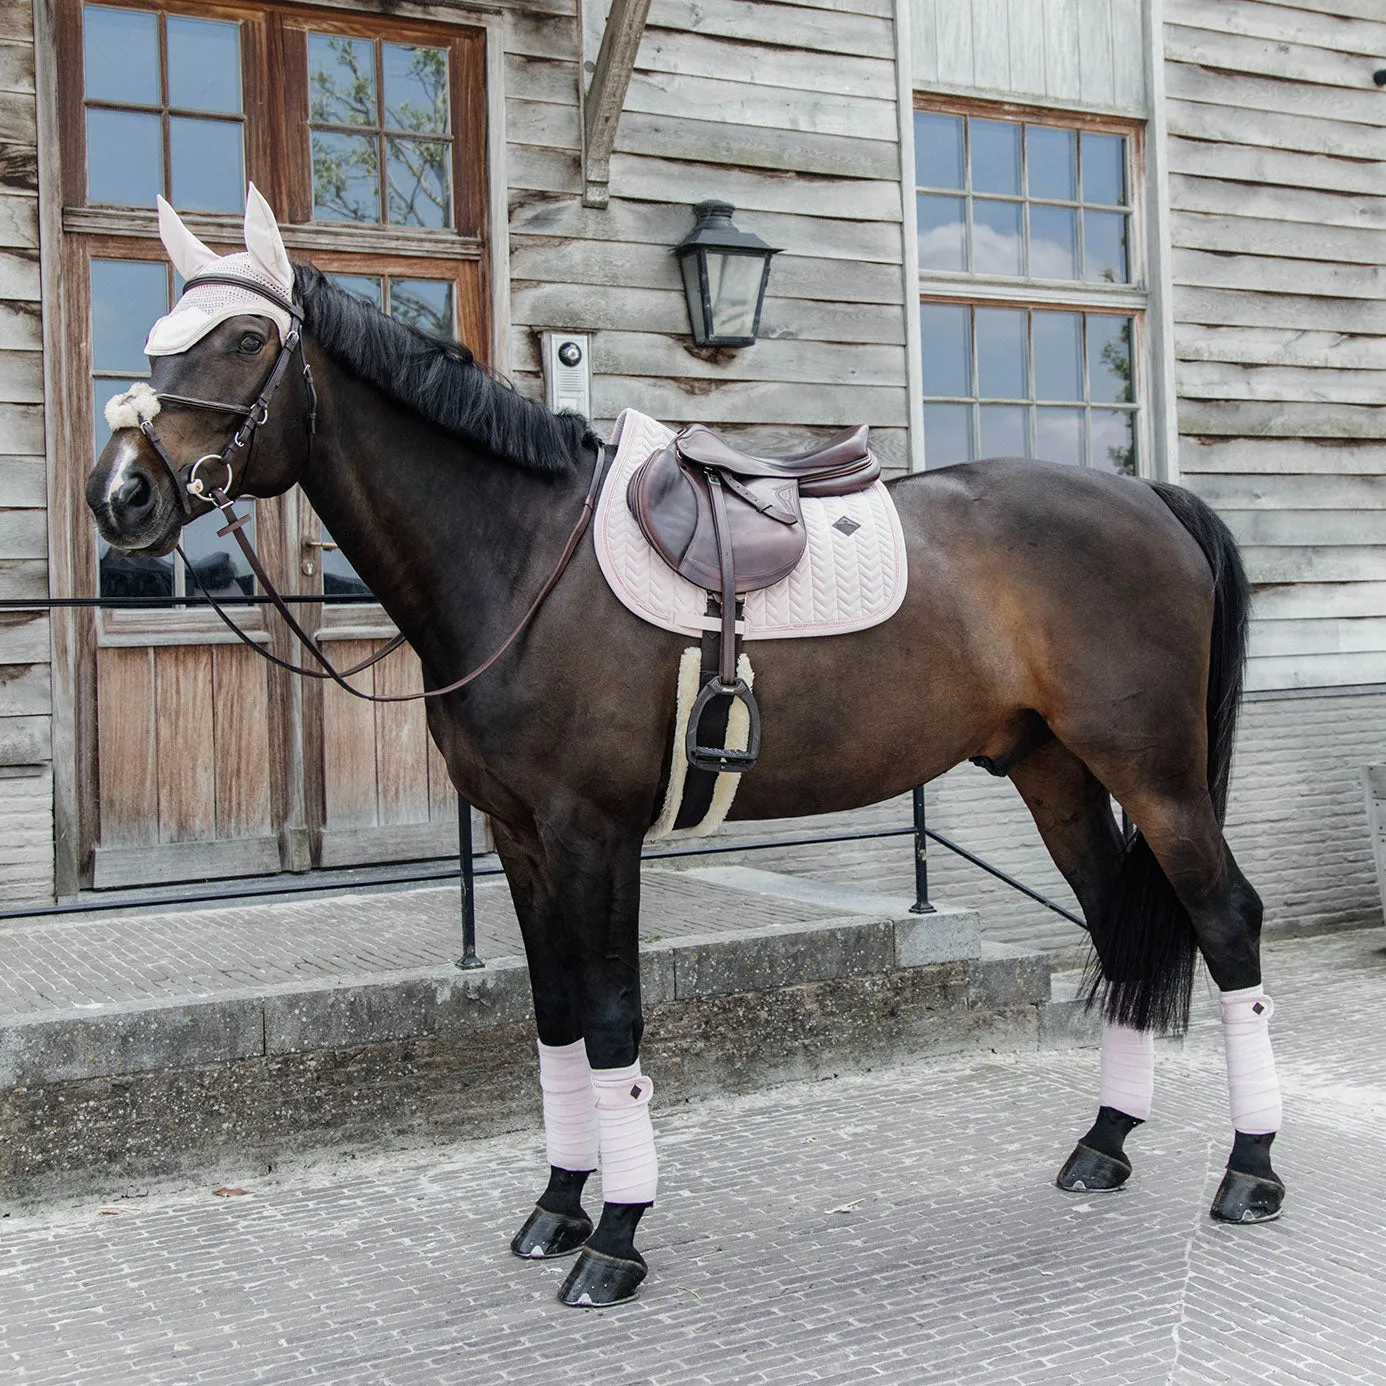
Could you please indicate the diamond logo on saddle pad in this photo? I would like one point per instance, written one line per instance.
(846, 525)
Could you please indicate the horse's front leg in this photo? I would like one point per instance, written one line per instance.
(596, 867)
(559, 1224)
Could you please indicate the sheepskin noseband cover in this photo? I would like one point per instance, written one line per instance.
(203, 306)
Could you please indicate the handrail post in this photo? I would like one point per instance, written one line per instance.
(469, 960)
(921, 858)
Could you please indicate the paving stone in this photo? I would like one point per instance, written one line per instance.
(896, 1227)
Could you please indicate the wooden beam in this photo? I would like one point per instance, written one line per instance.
(607, 95)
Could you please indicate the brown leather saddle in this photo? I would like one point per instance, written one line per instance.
(732, 523)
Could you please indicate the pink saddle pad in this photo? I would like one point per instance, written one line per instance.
(852, 575)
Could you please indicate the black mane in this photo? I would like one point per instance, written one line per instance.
(439, 380)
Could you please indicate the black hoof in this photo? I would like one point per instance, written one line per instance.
(546, 1235)
(1090, 1171)
(1247, 1198)
(598, 1281)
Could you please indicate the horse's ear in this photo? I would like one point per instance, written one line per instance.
(263, 241)
(188, 254)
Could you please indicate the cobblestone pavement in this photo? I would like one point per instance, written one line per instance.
(891, 1227)
(106, 958)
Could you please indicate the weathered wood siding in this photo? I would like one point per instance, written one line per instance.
(1068, 52)
(788, 111)
(26, 782)
(1277, 156)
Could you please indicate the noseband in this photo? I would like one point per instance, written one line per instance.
(191, 487)
(254, 415)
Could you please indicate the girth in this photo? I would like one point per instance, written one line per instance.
(731, 523)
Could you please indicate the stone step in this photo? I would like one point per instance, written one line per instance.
(117, 1095)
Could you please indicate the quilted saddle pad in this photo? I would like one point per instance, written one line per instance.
(852, 575)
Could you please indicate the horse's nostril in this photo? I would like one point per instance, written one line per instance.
(134, 492)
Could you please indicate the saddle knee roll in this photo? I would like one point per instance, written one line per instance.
(1128, 1070)
(1252, 1085)
(630, 1169)
(570, 1106)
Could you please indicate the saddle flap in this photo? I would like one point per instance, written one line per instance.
(673, 507)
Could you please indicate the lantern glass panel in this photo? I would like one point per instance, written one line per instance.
(693, 291)
(734, 287)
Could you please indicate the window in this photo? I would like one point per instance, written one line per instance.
(1015, 382)
(370, 105)
(368, 136)
(1031, 289)
(163, 106)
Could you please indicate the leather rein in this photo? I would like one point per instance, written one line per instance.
(191, 487)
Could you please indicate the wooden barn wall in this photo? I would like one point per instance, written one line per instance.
(1065, 52)
(788, 111)
(26, 782)
(1277, 158)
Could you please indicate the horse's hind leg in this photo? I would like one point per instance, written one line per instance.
(1183, 833)
(1073, 812)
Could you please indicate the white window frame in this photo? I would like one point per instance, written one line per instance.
(1132, 299)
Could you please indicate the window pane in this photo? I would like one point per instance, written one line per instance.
(208, 170)
(946, 330)
(339, 578)
(204, 64)
(1113, 441)
(995, 156)
(1104, 168)
(941, 227)
(125, 161)
(1001, 353)
(125, 576)
(416, 89)
(418, 176)
(1058, 355)
(1053, 243)
(1004, 430)
(427, 303)
(938, 151)
(346, 177)
(218, 563)
(733, 283)
(1109, 360)
(947, 434)
(122, 55)
(1052, 157)
(996, 245)
(126, 297)
(341, 81)
(1059, 435)
(366, 286)
(1104, 247)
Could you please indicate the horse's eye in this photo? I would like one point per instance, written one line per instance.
(251, 343)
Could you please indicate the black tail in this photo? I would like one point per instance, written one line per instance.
(1149, 948)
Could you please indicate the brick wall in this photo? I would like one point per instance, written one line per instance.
(1296, 821)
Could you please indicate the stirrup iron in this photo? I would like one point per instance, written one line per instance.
(723, 759)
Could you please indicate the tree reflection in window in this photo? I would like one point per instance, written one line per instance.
(381, 130)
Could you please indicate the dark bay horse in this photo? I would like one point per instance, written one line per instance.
(1082, 633)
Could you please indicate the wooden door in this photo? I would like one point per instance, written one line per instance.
(193, 757)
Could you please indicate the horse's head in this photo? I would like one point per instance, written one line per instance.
(205, 420)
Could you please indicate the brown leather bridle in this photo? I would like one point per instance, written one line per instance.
(192, 488)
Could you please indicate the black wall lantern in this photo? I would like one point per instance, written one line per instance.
(725, 272)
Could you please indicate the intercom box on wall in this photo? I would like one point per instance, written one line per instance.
(568, 371)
